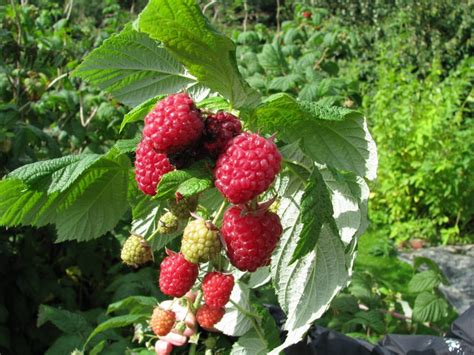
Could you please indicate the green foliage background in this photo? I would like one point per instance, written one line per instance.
(408, 71)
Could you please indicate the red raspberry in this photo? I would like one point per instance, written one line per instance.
(150, 166)
(177, 275)
(173, 124)
(250, 237)
(162, 321)
(307, 14)
(220, 128)
(247, 167)
(208, 316)
(217, 288)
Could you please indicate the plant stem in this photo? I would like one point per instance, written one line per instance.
(244, 311)
(197, 301)
(192, 349)
(253, 318)
(219, 212)
(153, 235)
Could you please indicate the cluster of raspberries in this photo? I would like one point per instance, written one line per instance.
(245, 165)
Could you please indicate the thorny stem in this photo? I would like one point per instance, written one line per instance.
(219, 212)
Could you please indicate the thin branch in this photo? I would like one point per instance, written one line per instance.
(56, 80)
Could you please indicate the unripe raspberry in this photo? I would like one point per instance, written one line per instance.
(217, 288)
(208, 316)
(219, 130)
(136, 251)
(150, 166)
(250, 237)
(247, 167)
(168, 223)
(200, 241)
(184, 206)
(177, 275)
(173, 124)
(162, 321)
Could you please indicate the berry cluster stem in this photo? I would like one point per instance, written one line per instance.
(197, 301)
(153, 235)
(219, 212)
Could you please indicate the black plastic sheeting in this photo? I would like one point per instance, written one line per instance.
(322, 341)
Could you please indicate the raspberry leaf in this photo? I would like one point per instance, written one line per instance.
(133, 68)
(187, 182)
(66, 321)
(207, 54)
(306, 287)
(335, 136)
(316, 210)
(140, 111)
(84, 197)
(429, 307)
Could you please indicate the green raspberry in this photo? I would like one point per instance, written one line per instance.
(168, 223)
(182, 208)
(136, 251)
(200, 241)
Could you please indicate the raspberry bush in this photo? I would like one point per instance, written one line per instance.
(201, 183)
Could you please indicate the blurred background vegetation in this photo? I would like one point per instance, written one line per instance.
(407, 64)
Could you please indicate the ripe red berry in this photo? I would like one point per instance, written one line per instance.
(177, 275)
(173, 124)
(208, 316)
(162, 321)
(247, 167)
(150, 166)
(219, 129)
(307, 14)
(217, 288)
(250, 237)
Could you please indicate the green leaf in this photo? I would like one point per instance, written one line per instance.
(260, 277)
(345, 303)
(58, 173)
(116, 322)
(334, 136)
(68, 322)
(139, 112)
(421, 260)
(249, 344)
(134, 68)
(97, 349)
(127, 145)
(235, 323)
(371, 319)
(316, 210)
(65, 344)
(132, 301)
(349, 195)
(429, 308)
(284, 83)
(187, 182)
(207, 54)
(214, 104)
(84, 199)
(306, 287)
(272, 59)
(423, 281)
(96, 203)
